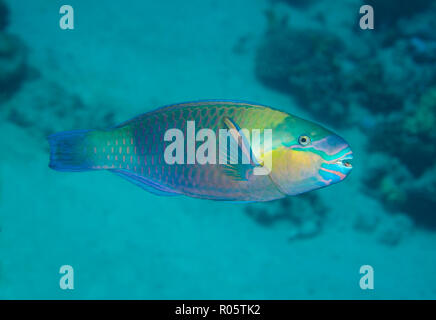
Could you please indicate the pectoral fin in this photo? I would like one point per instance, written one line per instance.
(239, 166)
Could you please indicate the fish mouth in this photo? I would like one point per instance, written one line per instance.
(346, 161)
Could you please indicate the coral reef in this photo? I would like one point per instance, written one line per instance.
(38, 105)
(414, 196)
(418, 37)
(302, 216)
(4, 15)
(296, 3)
(383, 82)
(329, 74)
(404, 175)
(300, 70)
(391, 80)
(374, 89)
(43, 107)
(411, 135)
(389, 12)
(13, 67)
(13, 55)
(386, 184)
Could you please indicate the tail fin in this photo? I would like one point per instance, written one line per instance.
(68, 151)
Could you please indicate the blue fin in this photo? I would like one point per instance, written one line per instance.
(68, 151)
(145, 183)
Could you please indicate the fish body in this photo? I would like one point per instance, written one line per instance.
(136, 150)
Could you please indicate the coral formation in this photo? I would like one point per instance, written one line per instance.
(404, 177)
(418, 37)
(303, 216)
(329, 74)
(390, 80)
(13, 55)
(411, 135)
(422, 122)
(386, 184)
(296, 3)
(4, 15)
(389, 12)
(392, 77)
(374, 89)
(13, 65)
(300, 70)
(49, 108)
(42, 106)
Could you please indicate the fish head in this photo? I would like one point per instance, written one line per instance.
(306, 156)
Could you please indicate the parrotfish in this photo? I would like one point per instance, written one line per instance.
(303, 155)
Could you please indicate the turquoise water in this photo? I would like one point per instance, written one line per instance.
(375, 88)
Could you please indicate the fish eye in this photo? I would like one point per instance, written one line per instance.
(304, 140)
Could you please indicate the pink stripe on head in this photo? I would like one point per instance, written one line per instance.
(339, 174)
(330, 145)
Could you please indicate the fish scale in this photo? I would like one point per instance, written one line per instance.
(186, 177)
(135, 150)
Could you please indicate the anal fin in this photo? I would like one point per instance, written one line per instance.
(144, 183)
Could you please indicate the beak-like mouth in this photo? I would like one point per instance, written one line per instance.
(346, 161)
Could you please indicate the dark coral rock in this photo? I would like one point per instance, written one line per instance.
(420, 206)
(302, 215)
(329, 76)
(422, 50)
(389, 12)
(418, 38)
(415, 151)
(410, 137)
(4, 15)
(296, 3)
(305, 64)
(400, 191)
(390, 80)
(13, 66)
(388, 180)
(404, 179)
(374, 89)
(43, 108)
